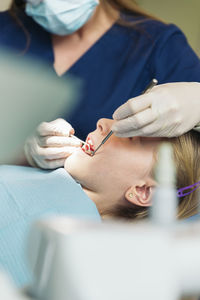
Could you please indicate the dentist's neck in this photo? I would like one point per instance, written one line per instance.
(100, 22)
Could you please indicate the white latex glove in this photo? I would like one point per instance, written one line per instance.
(168, 110)
(51, 144)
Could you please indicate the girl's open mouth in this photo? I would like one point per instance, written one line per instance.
(88, 147)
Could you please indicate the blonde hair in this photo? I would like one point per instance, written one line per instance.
(187, 159)
(186, 150)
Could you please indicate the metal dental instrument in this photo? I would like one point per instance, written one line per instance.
(76, 138)
(153, 83)
(103, 142)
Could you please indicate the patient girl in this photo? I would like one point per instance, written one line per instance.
(116, 182)
(118, 178)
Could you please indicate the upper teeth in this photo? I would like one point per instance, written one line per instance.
(89, 141)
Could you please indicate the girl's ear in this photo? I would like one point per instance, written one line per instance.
(140, 195)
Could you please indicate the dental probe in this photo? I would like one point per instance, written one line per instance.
(76, 138)
(153, 83)
(103, 142)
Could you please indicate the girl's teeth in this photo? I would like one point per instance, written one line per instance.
(89, 142)
(87, 148)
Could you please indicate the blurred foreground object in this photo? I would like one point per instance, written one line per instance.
(164, 208)
(82, 260)
(30, 93)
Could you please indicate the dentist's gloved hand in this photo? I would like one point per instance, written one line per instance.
(168, 110)
(51, 144)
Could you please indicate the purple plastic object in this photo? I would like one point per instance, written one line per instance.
(180, 192)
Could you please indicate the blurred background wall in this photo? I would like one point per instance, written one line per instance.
(4, 4)
(184, 13)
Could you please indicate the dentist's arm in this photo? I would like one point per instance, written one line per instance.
(168, 110)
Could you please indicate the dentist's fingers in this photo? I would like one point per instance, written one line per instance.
(58, 127)
(133, 106)
(150, 130)
(127, 127)
(49, 158)
(53, 153)
(53, 141)
(58, 141)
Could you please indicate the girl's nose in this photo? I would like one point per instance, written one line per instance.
(104, 125)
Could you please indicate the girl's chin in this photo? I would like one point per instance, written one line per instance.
(74, 159)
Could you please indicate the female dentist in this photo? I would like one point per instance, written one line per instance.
(116, 49)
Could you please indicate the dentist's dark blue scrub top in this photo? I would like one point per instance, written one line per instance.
(117, 67)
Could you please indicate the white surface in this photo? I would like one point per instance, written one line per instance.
(80, 260)
(101, 262)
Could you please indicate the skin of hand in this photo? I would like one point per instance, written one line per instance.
(168, 110)
(51, 144)
(120, 168)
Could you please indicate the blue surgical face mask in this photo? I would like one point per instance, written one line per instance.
(61, 17)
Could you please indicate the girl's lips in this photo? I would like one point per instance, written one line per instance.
(88, 147)
(90, 142)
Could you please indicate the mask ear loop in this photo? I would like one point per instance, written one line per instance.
(193, 187)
